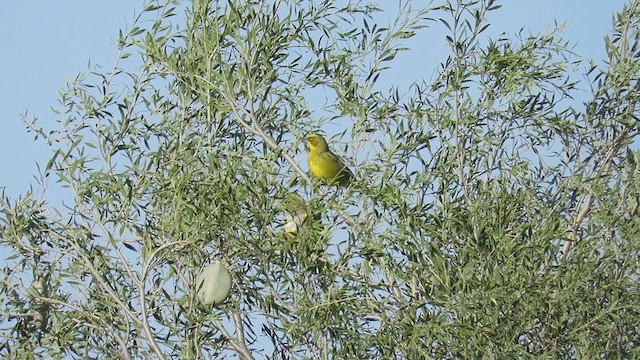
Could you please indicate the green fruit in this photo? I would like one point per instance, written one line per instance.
(213, 284)
(40, 287)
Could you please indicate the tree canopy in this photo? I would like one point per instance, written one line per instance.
(496, 212)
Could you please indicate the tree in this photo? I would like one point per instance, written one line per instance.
(498, 216)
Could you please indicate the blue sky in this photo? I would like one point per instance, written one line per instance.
(46, 43)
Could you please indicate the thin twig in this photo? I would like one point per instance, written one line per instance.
(241, 350)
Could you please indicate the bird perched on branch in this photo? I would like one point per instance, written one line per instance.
(296, 213)
(324, 164)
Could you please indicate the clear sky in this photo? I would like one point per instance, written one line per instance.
(46, 43)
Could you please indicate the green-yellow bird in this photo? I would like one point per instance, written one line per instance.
(324, 164)
(296, 213)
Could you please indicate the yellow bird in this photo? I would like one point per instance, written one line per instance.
(324, 164)
(296, 213)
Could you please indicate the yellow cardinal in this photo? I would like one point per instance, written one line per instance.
(324, 164)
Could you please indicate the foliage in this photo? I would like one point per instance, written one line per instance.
(499, 217)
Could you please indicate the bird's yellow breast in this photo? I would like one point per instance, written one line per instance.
(327, 166)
